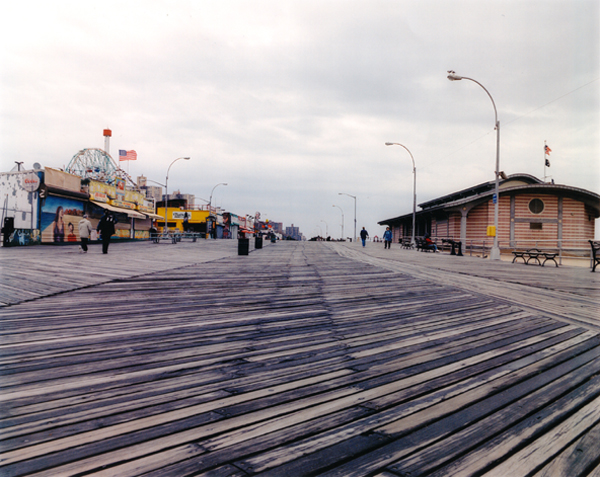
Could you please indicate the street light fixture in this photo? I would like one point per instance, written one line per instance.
(326, 229)
(166, 230)
(211, 193)
(354, 197)
(414, 214)
(495, 252)
(342, 237)
(210, 208)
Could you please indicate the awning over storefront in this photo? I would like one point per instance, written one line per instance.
(129, 212)
(154, 216)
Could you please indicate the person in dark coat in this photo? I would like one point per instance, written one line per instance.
(106, 227)
(363, 236)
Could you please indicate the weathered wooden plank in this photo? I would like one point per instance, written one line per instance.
(576, 460)
(487, 432)
(545, 447)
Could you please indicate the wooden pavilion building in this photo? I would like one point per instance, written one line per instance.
(532, 213)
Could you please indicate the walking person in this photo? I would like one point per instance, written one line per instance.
(106, 227)
(85, 229)
(363, 235)
(387, 238)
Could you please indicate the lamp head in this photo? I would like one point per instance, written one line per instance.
(452, 76)
(389, 143)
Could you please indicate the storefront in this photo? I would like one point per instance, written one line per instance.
(20, 206)
(126, 205)
(196, 219)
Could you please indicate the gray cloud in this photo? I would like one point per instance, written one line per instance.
(291, 102)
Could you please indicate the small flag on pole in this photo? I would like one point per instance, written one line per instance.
(127, 155)
(547, 163)
(547, 150)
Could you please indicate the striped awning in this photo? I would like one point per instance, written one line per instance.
(131, 213)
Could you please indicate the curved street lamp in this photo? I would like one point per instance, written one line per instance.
(210, 203)
(414, 214)
(342, 219)
(495, 252)
(211, 193)
(354, 197)
(166, 230)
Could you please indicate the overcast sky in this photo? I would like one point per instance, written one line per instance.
(291, 102)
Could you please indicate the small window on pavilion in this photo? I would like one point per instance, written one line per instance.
(536, 206)
(535, 226)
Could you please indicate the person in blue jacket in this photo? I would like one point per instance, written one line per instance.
(387, 238)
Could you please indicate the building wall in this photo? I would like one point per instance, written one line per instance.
(579, 224)
(477, 221)
(22, 205)
(563, 219)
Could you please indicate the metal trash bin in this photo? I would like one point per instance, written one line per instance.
(258, 242)
(243, 246)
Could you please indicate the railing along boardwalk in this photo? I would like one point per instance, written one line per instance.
(299, 359)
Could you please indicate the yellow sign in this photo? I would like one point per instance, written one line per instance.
(491, 231)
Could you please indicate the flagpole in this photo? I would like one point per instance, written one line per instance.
(545, 145)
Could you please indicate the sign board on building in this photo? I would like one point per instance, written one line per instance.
(30, 181)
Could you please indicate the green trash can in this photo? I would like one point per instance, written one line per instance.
(258, 242)
(243, 246)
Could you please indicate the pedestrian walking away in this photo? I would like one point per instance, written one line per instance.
(85, 229)
(363, 235)
(387, 238)
(106, 227)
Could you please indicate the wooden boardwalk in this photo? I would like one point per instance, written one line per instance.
(299, 359)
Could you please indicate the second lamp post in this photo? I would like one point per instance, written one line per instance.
(495, 252)
(166, 229)
(414, 215)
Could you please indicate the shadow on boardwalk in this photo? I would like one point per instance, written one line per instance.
(299, 359)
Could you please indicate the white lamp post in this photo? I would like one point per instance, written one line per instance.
(342, 237)
(495, 253)
(167, 193)
(414, 214)
(354, 197)
(326, 229)
(210, 198)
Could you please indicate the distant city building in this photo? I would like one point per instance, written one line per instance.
(151, 191)
(177, 199)
(277, 227)
(293, 233)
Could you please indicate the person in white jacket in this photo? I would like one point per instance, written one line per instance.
(85, 229)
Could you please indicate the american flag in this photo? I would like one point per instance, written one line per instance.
(547, 150)
(127, 155)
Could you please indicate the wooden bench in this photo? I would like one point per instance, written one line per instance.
(456, 245)
(193, 236)
(423, 246)
(595, 258)
(404, 243)
(173, 237)
(535, 254)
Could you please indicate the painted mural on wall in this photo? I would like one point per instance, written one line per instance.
(60, 219)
